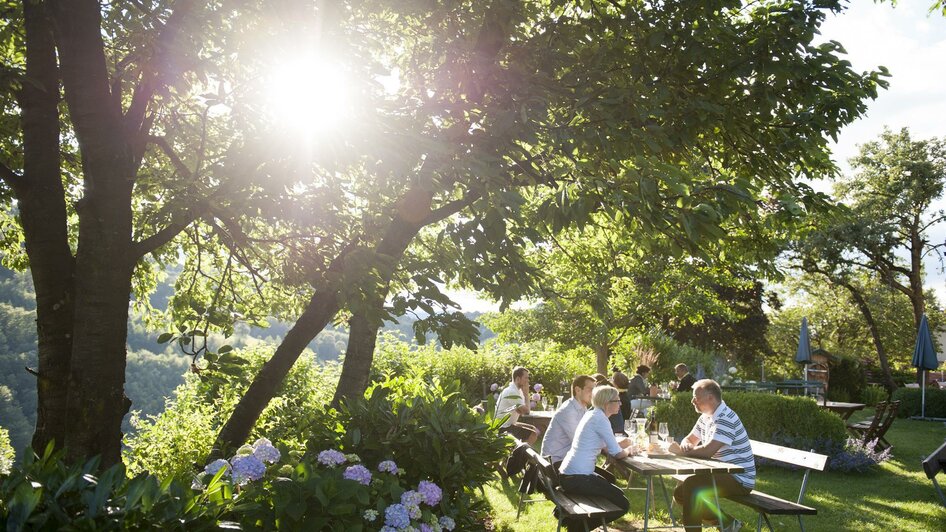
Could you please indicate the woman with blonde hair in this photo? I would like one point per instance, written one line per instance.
(578, 469)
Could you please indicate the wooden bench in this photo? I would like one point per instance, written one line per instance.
(877, 427)
(581, 506)
(766, 504)
(933, 465)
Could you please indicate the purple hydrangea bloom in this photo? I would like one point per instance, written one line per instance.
(388, 466)
(536, 396)
(261, 442)
(537, 387)
(247, 468)
(446, 523)
(493, 387)
(388, 529)
(396, 516)
(266, 453)
(358, 473)
(430, 492)
(331, 458)
(215, 466)
(424, 527)
(411, 498)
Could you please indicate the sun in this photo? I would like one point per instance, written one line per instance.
(307, 95)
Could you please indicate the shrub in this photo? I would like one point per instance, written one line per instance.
(172, 443)
(792, 421)
(911, 401)
(874, 394)
(6, 452)
(46, 494)
(858, 456)
(492, 363)
(847, 380)
(429, 430)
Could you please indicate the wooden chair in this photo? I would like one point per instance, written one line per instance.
(933, 465)
(876, 428)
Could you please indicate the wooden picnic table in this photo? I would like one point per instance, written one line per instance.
(650, 467)
(842, 409)
(539, 419)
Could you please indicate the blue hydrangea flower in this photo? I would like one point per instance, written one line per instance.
(358, 473)
(245, 450)
(446, 523)
(411, 498)
(388, 529)
(261, 442)
(247, 468)
(396, 516)
(413, 511)
(388, 466)
(331, 457)
(370, 515)
(266, 453)
(430, 492)
(215, 466)
(424, 527)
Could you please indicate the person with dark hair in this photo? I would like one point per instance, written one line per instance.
(578, 469)
(683, 375)
(514, 400)
(561, 432)
(638, 388)
(720, 435)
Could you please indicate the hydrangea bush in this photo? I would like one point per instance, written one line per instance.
(339, 492)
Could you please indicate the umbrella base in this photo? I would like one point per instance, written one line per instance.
(921, 418)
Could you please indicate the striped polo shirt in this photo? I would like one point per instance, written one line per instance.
(725, 427)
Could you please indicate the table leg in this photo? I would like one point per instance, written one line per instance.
(650, 491)
(663, 486)
(719, 509)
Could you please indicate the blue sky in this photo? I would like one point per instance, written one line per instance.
(912, 45)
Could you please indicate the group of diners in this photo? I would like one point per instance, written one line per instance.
(590, 422)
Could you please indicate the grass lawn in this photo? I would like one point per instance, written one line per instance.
(894, 496)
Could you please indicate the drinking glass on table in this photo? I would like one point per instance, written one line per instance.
(663, 432)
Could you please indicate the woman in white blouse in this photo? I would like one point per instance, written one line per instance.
(594, 433)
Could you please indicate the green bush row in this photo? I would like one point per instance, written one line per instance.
(911, 401)
(549, 364)
(780, 419)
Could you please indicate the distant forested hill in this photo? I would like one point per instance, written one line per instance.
(153, 370)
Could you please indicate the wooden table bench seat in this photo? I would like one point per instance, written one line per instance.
(932, 466)
(568, 505)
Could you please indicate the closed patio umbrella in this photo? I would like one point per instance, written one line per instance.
(924, 357)
(803, 353)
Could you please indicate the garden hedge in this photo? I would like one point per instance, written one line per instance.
(911, 399)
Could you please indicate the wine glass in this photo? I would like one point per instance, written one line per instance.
(630, 427)
(662, 431)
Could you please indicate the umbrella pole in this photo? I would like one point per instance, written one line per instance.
(923, 397)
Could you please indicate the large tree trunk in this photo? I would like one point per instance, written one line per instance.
(104, 261)
(42, 209)
(356, 369)
(874, 334)
(602, 356)
(363, 332)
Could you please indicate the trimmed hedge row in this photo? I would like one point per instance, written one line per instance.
(911, 401)
(792, 421)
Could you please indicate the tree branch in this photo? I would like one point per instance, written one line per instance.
(10, 177)
(165, 146)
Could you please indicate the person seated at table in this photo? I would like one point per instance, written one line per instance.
(720, 435)
(561, 432)
(685, 380)
(638, 388)
(594, 433)
(514, 400)
(622, 383)
(616, 420)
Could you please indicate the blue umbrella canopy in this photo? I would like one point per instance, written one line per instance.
(803, 354)
(924, 355)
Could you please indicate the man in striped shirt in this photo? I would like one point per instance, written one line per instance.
(719, 435)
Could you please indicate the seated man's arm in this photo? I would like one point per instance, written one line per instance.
(703, 451)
